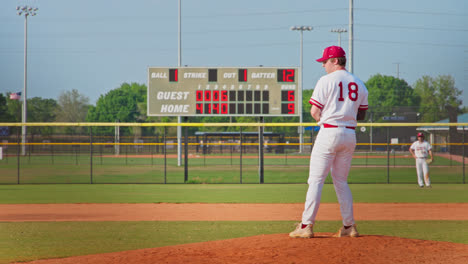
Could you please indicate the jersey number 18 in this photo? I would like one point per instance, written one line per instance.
(352, 91)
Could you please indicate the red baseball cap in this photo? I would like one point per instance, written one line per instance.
(420, 134)
(332, 52)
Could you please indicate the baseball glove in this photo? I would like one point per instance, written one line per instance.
(429, 161)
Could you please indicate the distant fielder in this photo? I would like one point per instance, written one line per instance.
(338, 100)
(420, 150)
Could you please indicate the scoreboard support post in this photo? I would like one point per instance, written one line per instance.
(90, 154)
(179, 142)
(388, 154)
(165, 156)
(186, 151)
(241, 150)
(464, 154)
(260, 152)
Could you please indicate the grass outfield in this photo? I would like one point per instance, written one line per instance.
(224, 193)
(370, 159)
(25, 241)
(77, 169)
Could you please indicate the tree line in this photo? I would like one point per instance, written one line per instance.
(429, 100)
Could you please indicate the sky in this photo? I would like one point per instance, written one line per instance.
(94, 46)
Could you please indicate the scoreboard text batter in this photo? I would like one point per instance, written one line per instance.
(258, 91)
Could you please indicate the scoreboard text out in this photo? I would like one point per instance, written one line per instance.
(193, 91)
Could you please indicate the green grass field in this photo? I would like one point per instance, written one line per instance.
(36, 240)
(224, 193)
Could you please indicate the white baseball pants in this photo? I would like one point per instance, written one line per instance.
(333, 151)
(422, 169)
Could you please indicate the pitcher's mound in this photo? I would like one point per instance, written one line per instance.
(279, 248)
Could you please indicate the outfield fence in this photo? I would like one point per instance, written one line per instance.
(215, 153)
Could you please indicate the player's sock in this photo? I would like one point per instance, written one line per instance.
(303, 226)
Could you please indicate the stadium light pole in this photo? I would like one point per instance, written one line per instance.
(25, 11)
(350, 58)
(339, 31)
(179, 64)
(301, 29)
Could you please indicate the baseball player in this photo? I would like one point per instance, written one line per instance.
(420, 150)
(338, 101)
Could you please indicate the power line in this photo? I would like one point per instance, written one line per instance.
(262, 13)
(415, 28)
(227, 31)
(233, 46)
(268, 13)
(411, 12)
(415, 43)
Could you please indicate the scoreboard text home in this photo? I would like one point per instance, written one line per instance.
(258, 91)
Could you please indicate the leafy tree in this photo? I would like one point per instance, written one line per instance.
(387, 93)
(306, 117)
(5, 115)
(14, 109)
(41, 110)
(437, 96)
(72, 107)
(120, 105)
(38, 110)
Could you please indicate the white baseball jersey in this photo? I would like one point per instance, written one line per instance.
(339, 95)
(421, 149)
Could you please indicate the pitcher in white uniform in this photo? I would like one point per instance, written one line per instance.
(338, 101)
(420, 150)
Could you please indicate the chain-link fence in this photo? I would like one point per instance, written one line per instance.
(227, 153)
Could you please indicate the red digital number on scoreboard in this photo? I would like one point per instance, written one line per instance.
(286, 75)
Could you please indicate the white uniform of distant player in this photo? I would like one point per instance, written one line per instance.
(421, 151)
(339, 95)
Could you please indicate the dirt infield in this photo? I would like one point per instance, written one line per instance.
(225, 212)
(278, 248)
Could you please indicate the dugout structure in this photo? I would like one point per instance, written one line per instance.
(219, 142)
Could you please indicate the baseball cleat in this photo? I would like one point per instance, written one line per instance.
(349, 232)
(306, 232)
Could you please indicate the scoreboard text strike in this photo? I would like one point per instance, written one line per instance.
(255, 91)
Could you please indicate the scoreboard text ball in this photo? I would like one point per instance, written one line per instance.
(193, 91)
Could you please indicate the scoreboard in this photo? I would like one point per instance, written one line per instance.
(197, 91)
